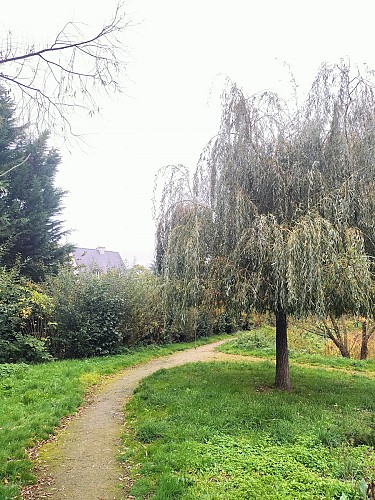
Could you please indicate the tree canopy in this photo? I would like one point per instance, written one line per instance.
(280, 214)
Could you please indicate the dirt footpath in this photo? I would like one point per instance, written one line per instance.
(81, 464)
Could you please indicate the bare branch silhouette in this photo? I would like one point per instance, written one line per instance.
(53, 81)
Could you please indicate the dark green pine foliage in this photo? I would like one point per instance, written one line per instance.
(30, 231)
(10, 155)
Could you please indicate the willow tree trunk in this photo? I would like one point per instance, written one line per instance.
(282, 379)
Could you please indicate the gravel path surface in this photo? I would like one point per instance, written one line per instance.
(81, 464)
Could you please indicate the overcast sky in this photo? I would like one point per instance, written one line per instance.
(179, 54)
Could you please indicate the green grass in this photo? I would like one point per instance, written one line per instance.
(33, 399)
(219, 431)
(309, 348)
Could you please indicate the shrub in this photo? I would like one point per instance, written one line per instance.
(89, 313)
(24, 349)
(24, 312)
(145, 319)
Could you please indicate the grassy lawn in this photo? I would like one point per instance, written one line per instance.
(33, 399)
(304, 348)
(219, 431)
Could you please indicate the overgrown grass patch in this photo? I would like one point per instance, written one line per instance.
(219, 430)
(303, 348)
(34, 398)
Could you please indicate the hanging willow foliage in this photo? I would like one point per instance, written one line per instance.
(328, 270)
(281, 212)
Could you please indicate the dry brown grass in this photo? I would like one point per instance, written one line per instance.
(300, 339)
(354, 341)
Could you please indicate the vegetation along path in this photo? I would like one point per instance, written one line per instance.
(82, 463)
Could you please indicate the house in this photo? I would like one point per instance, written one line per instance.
(98, 260)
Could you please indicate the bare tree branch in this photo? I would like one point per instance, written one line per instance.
(15, 166)
(53, 81)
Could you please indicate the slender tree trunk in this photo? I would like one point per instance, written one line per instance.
(282, 379)
(344, 351)
(345, 339)
(364, 342)
(340, 341)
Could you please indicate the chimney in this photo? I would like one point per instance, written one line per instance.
(101, 250)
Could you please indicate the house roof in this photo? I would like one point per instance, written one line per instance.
(97, 259)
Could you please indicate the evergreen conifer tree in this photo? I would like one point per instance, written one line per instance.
(30, 231)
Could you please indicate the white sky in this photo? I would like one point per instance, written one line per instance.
(179, 55)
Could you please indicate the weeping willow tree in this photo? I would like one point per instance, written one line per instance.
(181, 253)
(280, 215)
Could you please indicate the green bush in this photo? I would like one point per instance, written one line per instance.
(90, 311)
(11, 293)
(24, 349)
(24, 311)
(84, 314)
(187, 323)
(102, 314)
(145, 316)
